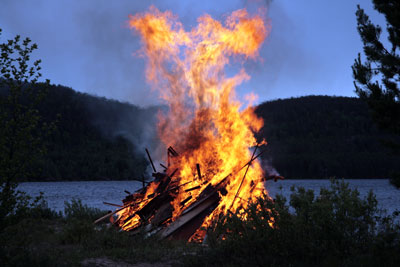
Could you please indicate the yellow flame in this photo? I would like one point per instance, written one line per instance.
(206, 123)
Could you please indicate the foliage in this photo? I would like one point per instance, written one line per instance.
(21, 128)
(381, 63)
(95, 138)
(336, 228)
(76, 210)
(49, 239)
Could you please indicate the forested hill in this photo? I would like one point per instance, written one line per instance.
(322, 136)
(308, 137)
(95, 138)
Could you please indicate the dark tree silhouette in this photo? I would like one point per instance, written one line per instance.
(21, 126)
(377, 77)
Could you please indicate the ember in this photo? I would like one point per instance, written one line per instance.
(210, 168)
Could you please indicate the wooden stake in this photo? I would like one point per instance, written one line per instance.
(234, 172)
(244, 176)
(172, 174)
(143, 183)
(110, 214)
(253, 159)
(162, 165)
(151, 161)
(198, 170)
(172, 151)
(111, 204)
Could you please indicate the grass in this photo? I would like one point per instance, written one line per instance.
(46, 238)
(334, 228)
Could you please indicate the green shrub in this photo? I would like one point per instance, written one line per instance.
(336, 228)
(75, 209)
(79, 227)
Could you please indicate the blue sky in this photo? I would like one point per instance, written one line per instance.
(87, 46)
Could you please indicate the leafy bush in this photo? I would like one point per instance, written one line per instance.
(75, 209)
(336, 228)
(30, 223)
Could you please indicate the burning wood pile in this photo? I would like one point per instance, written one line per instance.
(210, 168)
(151, 208)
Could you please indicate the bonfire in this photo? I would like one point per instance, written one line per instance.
(212, 162)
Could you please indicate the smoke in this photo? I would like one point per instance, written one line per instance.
(268, 168)
(115, 119)
(136, 125)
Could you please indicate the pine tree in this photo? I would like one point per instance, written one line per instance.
(377, 78)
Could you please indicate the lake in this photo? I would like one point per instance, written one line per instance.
(93, 193)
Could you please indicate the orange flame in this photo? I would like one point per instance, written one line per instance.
(205, 123)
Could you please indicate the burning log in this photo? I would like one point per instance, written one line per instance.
(193, 188)
(162, 214)
(186, 200)
(158, 209)
(152, 206)
(198, 170)
(181, 229)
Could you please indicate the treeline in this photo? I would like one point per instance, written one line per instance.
(308, 137)
(93, 137)
(316, 137)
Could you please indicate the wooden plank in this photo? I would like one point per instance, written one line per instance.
(163, 213)
(186, 200)
(187, 217)
(193, 188)
(207, 193)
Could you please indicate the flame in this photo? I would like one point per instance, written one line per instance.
(206, 122)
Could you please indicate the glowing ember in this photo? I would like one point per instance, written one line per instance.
(206, 123)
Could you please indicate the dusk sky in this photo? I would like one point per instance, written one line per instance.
(87, 46)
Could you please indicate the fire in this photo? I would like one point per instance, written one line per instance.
(206, 123)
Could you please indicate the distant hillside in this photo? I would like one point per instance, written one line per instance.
(308, 137)
(95, 139)
(322, 136)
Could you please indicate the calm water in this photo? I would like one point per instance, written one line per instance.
(94, 193)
